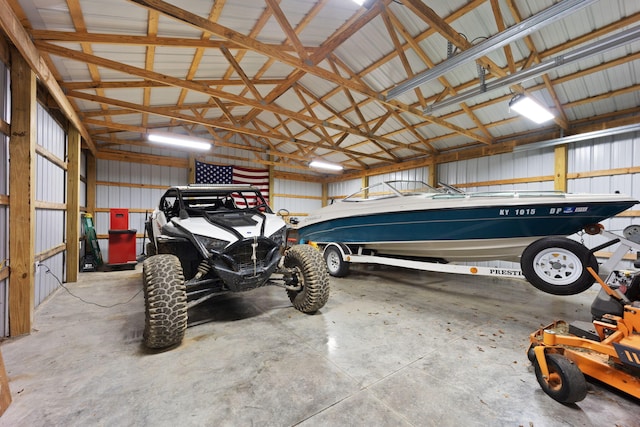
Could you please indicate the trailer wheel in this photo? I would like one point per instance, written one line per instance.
(336, 265)
(165, 301)
(557, 265)
(566, 383)
(311, 275)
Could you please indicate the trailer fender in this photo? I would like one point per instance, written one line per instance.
(335, 256)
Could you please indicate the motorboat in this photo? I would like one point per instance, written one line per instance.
(413, 219)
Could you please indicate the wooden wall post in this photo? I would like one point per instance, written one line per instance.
(22, 183)
(325, 194)
(73, 205)
(91, 183)
(433, 174)
(192, 169)
(560, 168)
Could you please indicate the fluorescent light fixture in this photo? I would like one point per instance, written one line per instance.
(183, 141)
(530, 109)
(365, 3)
(324, 165)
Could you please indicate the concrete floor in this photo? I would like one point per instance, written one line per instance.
(391, 348)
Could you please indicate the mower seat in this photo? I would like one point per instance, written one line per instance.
(606, 304)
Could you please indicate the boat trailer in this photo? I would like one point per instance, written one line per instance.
(560, 265)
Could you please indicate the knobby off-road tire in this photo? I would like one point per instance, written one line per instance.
(165, 301)
(150, 249)
(558, 266)
(314, 277)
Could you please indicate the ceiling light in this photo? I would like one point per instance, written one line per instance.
(325, 165)
(182, 141)
(530, 109)
(365, 3)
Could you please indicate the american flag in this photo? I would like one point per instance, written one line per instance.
(207, 173)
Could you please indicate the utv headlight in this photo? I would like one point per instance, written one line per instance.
(211, 244)
(279, 236)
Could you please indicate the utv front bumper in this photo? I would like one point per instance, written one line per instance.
(247, 264)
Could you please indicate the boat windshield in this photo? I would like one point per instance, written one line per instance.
(392, 189)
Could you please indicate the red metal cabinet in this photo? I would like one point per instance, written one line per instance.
(122, 240)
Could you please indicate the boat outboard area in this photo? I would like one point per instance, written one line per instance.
(414, 221)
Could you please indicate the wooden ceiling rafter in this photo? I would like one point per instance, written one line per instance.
(391, 30)
(328, 137)
(227, 33)
(244, 103)
(198, 88)
(223, 126)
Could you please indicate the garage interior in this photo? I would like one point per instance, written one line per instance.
(378, 90)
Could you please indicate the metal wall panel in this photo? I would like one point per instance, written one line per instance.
(47, 276)
(50, 187)
(302, 189)
(5, 97)
(616, 152)
(130, 196)
(343, 189)
(419, 174)
(533, 163)
(5, 93)
(4, 233)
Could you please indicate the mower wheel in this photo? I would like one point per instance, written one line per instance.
(165, 301)
(558, 266)
(312, 276)
(566, 383)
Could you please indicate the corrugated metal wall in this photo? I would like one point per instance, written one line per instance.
(419, 174)
(339, 190)
(134, 186)
(4, 209)
(477, 174)
(617, 153)
(50, 187)
(298, 197)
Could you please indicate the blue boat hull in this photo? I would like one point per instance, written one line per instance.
(474, 233)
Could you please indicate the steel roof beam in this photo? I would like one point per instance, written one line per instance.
(516, 32)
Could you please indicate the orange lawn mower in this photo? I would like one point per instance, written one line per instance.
(608, 349)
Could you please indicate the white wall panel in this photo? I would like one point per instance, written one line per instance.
(507, 166)
(131, 197)
(4, 230)
(617, 152)
(47, 276)
(301, 189)
(5, 95)
(50, 187)
(345, 188)
(4, 190)
(419, 174)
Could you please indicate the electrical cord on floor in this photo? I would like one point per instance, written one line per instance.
(48, 271)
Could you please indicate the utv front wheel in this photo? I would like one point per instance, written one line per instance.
(311, 275)
(165, 301)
